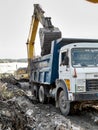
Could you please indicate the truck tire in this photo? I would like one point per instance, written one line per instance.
(42, 97)
(64, 104)
(35, 91)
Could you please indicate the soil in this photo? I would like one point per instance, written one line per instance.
(19, 112)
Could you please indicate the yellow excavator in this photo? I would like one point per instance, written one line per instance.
(47, 34)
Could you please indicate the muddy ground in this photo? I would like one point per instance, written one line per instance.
(19, 112)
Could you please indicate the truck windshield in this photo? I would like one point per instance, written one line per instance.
(84, 57)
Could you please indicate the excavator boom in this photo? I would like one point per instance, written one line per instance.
(38, 16)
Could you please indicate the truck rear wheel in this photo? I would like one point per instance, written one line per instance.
(35, 91)
(64, 104)
(42, 97)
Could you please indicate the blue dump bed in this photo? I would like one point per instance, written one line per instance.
(45, 68)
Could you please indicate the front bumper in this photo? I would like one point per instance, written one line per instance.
(89, 96)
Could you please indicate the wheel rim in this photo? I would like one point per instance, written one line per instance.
(62, 101)
(64, 104)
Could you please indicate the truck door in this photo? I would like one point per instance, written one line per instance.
(64, 71)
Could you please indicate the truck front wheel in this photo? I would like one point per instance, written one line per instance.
(64, 104)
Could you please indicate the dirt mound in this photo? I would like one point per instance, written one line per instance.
(19, 112)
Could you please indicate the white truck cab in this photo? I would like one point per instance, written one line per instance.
(78, 73)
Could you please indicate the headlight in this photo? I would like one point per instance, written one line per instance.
(80, 89)
(80, 85)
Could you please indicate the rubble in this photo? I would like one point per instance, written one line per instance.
(18, 112)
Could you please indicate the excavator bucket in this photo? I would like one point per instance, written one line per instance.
(46, 38)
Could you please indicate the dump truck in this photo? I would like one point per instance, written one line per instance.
(66, 71)
(69, 74)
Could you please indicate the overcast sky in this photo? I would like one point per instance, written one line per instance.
(75, 18)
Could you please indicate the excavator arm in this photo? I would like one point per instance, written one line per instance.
(38, 16)
(31, 37)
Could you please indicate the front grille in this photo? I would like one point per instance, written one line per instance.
(92, 85)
